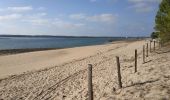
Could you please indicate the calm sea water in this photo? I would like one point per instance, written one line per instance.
(49, 42)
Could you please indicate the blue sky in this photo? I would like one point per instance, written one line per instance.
(78, 17)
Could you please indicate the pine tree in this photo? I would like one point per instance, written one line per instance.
(163, 20)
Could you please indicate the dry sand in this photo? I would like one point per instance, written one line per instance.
(19, 63)
(65, 74)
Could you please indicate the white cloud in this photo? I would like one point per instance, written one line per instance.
(42, 14)
(41, 8)
(63, 24)
(78, 16)
(20, 9)
(38, 15)
(37, 21)
(148, 1)
(27, 19)
(10, 17)
(143, 5)
(106, 18)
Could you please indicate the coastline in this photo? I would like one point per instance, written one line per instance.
(20, 61)
(16, 51)
(4, 52)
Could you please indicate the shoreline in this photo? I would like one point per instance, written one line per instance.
(17, 51)
(5, 52)
(21, 62)
(17, 62)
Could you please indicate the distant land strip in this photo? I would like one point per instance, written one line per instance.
(68, 36)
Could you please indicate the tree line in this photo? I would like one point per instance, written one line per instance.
(162, 22)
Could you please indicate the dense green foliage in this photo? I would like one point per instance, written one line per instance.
(162, 21)
(154, 35)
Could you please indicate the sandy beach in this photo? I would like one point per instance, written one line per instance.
(62, 74)
(31, 61)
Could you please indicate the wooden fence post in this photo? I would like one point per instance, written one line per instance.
(154, 45)
(150, 46)
(135, 61)
(90, 85)
(143, 53)
(119, 72)
(147, 50)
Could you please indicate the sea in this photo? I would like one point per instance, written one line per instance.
(19, 42)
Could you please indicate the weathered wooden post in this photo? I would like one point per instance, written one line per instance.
(158, 44)
(154, 45)
(90, 85)
(119, 72)
(143, 53)
(150, 46)
(147, 51)
(135, 61)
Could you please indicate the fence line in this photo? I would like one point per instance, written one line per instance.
(90, 85)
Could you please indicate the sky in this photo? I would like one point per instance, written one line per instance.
(78, 17)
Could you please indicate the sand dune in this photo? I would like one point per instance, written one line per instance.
(66, 79)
